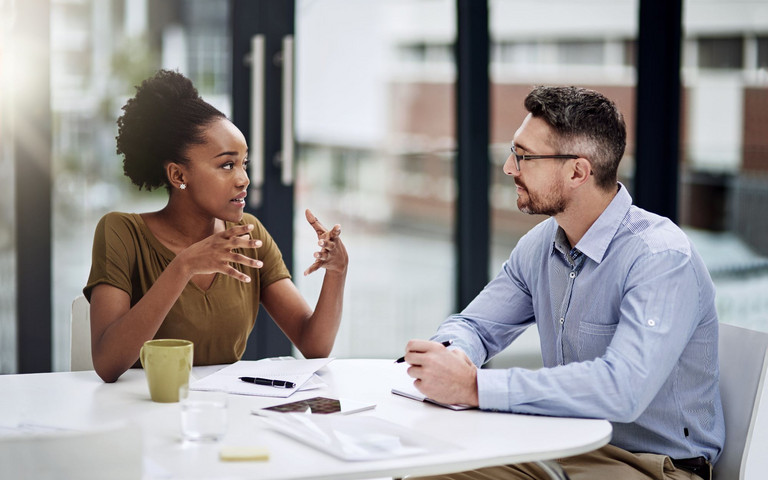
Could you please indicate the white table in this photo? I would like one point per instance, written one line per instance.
(81, 400)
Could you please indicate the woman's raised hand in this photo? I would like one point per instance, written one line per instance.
(214, 254)
(332, 255)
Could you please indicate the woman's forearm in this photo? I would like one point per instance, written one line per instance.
(117, 346)
(322, 326)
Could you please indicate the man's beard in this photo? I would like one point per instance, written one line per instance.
(550, 203)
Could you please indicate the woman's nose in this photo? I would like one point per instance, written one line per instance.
(243, 178)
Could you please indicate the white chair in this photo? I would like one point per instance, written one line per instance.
(743, 364)
(43, 453)
(80, 336)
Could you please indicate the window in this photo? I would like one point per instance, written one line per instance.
(726, 53)
(762, 52)
(581, 52)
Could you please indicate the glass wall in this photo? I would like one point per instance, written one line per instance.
(376, 136)
(589, 44)
(375, 126)
(724, 151)
(100, 51)
(375, 129)
(7, 194)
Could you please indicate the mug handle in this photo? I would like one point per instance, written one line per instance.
(141, 356)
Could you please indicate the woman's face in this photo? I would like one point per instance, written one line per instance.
(216, 175)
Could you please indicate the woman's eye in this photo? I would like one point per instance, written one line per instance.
(228, 165)
(246, 162)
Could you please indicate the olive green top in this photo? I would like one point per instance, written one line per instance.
(218, 321)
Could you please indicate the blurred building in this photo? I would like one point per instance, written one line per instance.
(724, 121)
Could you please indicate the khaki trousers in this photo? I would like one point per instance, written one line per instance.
(606, 463)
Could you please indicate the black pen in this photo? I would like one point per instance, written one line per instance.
(445, 344)
(268, 382)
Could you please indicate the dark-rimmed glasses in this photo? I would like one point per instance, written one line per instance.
(518, 157)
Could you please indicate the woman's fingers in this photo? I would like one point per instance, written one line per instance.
(313, 268)
(330, 255)
(245, 260)
(237, 230)
(312, 219)
(233, 272)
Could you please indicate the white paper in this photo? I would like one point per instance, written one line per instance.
(355, 438)
(228, 378)
(405, 388)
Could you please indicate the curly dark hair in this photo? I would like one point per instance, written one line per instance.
(585, 123)
(159, 124)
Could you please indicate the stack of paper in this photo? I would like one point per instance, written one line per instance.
(228, 378)
(355, 438)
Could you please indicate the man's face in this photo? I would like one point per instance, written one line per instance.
(540, 185)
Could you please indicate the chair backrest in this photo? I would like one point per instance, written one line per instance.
(80, 336)
(743, 364)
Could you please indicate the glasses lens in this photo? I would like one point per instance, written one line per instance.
(517, 157)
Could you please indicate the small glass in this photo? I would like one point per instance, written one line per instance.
(203, 415)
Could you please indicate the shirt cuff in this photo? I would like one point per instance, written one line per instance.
(493, 389)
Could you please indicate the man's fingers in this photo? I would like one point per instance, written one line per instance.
(419, 346)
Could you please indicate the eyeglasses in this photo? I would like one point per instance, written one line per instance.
(518, 157)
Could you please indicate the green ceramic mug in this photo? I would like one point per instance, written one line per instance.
(167, 363)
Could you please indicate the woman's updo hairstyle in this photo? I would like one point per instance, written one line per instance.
(159, 124)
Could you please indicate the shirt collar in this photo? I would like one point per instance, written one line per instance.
(595, 242)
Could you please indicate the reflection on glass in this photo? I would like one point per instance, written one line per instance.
(375, 124)
(100, 50)
(566, 44)
(724, 181)
(7, 195)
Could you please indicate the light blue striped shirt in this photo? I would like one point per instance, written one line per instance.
(628, 332)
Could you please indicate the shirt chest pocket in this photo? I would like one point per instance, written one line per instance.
(593, 339)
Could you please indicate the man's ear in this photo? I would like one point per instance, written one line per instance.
(581, 171)
(176, 174)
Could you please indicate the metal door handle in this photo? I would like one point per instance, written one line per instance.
(287, 153)
(256, 149)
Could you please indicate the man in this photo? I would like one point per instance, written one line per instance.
(623, 303)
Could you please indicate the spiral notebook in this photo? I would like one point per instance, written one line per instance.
(406, 389)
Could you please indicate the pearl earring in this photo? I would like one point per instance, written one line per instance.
(183, 186)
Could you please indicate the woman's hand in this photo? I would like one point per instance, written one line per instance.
(214, 254)
(332, 255)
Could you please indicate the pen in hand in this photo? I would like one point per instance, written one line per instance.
(445, 344)
(268, 382)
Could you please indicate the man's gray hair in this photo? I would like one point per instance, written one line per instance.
(585, 123)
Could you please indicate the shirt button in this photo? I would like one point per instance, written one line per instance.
(651, 322)
(562, 321)
(572, 274)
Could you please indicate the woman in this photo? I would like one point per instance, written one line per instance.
(199, 268)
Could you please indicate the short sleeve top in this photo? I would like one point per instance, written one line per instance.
(218, 321)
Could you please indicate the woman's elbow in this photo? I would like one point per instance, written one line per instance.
(107, 376)
(316, 351)
(108, 373)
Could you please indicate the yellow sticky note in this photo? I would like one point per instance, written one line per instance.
(243, 454)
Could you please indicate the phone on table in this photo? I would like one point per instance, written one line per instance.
(320, 405)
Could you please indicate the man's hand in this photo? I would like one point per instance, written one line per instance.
(447, 376)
